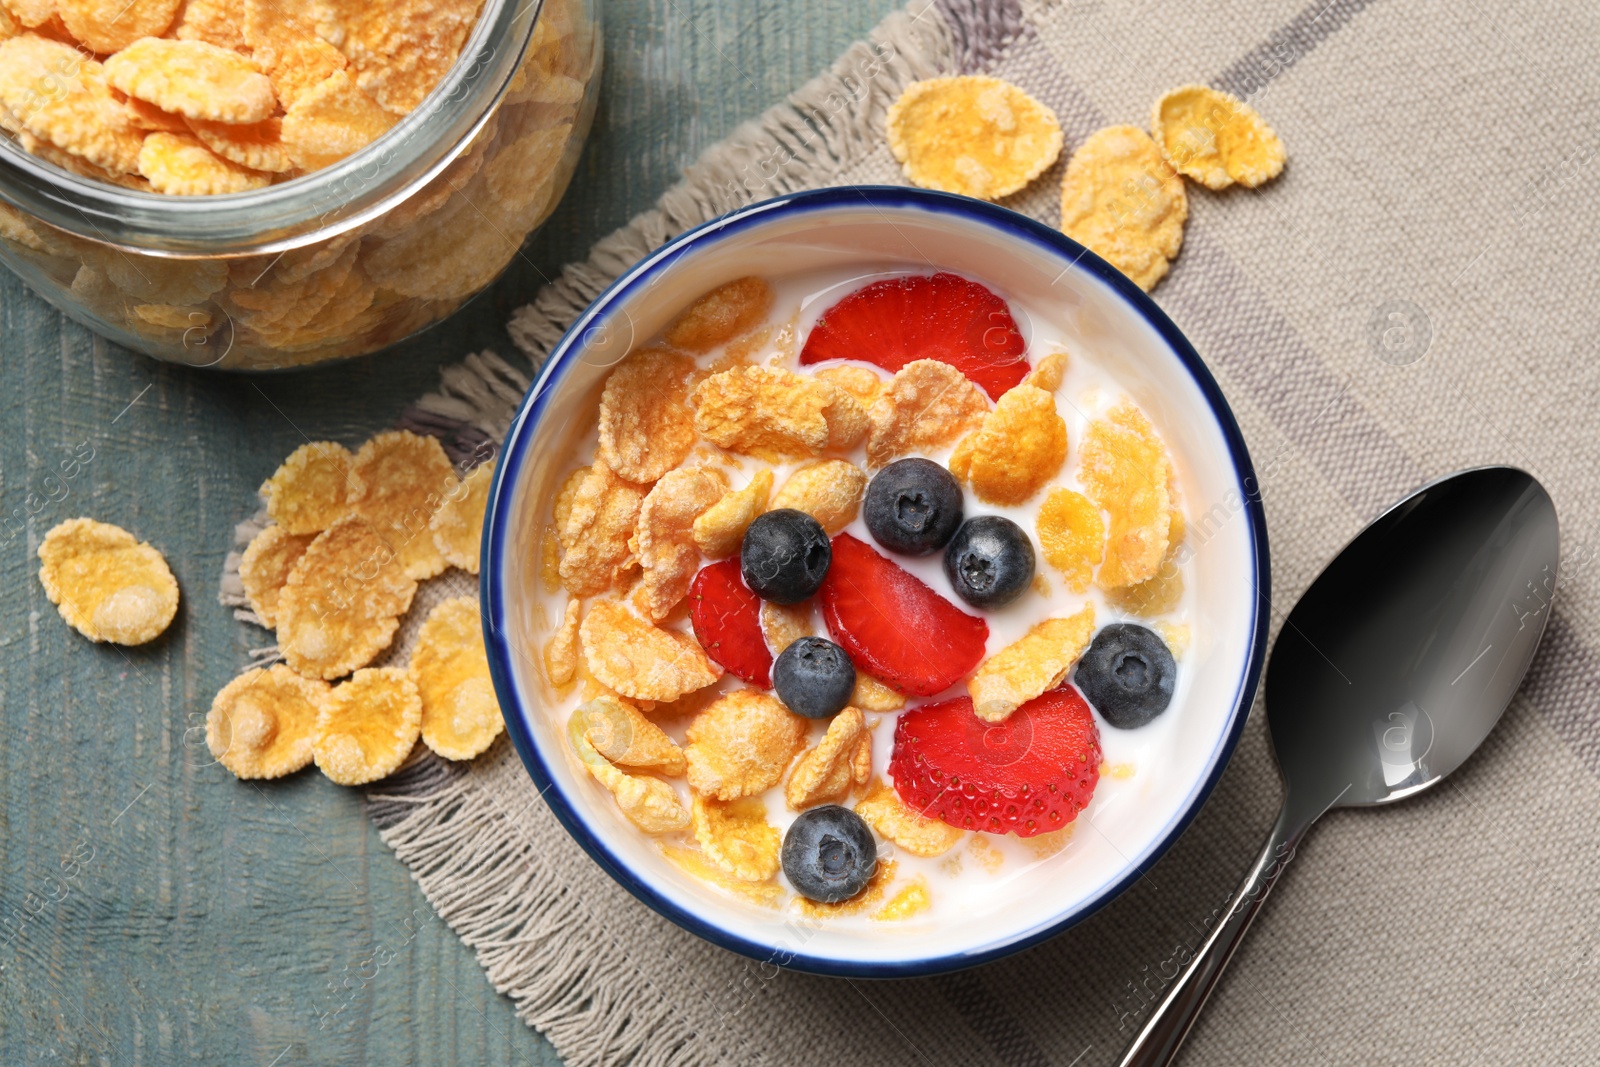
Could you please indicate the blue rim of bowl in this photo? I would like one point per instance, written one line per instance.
(515, 449)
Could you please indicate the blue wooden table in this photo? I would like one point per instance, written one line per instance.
(153, 910)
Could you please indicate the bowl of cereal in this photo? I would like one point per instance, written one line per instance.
(873, 582)
(275, 183)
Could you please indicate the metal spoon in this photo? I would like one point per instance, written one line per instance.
(1389, 672)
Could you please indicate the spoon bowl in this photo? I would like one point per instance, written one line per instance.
(1389, 672)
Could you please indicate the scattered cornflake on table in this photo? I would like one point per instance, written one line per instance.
(736, 836)
(262, 723)
(398, 479)
(741, 745)
(1036, 662)
(343, 601)
(265, 565)
(107, 585)
(310, 491)
(457, 527)
(973, 135)
(646, 425)
(1215, 138)
(460, 714)
(1124, 469)
(1020, 447)
(368, 726)
(1122, 200)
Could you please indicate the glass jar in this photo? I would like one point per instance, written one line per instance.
(345, 260)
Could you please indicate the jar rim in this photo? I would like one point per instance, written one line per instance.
(292, 214)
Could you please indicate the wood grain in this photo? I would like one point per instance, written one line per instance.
(153, 910)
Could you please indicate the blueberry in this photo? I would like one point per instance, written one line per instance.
(814, 677)
(989, 561)
(913, 506)
(829, 854)
(785, 556)
(1127, 674)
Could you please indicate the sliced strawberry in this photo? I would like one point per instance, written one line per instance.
(939, 316)
(894, 627)
(727, 622)
(1027, 775)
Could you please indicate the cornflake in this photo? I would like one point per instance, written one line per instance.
(694, 863)
(727, 312)
(258, 146)
(637, 659)
(399, 49)
(742, 744)
(626, 738)
(765, 412)
(50, 91)
(261, 724)
(1215, 138)
(106, 583)
(719, 530)
(859, 382)
(663, 539)
(367, 727)
(265, 567)
(309, 492)
(884, 811)
(107, 26)
(913, 899)
(1048, 372)
(1124, 469)
(457, 527)
(342, 602)
(1161, 592)
(848, 422)
(646, 427)
(872, 695)
(1176, 635)
(784, 624)
(829, 491)
(827, 771)
(1072, 534)
(1020, 447)
(561, 654)
(460, 715)
(1037, 662)
(178, 164)
(649, 803)
(871, 894)
(736, 836)
(973, 135)
(193, 79)
(926, 406)
(331, 120)
(1120, 198)
(398, 480)
(218, 22)
(595, 525)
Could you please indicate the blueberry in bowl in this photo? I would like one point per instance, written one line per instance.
(785, 556)
(814, 678)
(1128, 674)
(913, 506)
(829, 854)
(989, 561)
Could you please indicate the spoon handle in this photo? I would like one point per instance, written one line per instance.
(1157, 1042)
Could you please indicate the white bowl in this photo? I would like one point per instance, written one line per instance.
(888, 228)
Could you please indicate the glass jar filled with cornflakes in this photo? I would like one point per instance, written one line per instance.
(260, 184)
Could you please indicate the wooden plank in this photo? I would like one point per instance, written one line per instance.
(153, 910)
